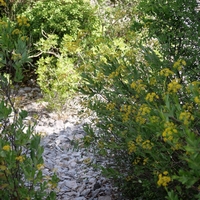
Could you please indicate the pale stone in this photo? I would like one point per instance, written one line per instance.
(104, 198)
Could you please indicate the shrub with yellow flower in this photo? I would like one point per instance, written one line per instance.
(163, 179)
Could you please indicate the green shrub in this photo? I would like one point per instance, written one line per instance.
(13, 47)
(57, 76)
(60, 17)
(21, 159)
(147, 123)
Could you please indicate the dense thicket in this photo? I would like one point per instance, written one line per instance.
(137, 65)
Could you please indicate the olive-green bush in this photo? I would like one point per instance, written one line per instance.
(146, 99)
(21, 160)
(60, 17)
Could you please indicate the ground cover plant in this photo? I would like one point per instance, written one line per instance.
(146, 98)
(21, 161)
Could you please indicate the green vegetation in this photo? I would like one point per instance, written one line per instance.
(136, 62)
(21, 159)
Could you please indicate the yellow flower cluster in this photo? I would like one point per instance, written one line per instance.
(113, 74)
(170, 130)
(166, 72)
(139, 119)
(3, 24)
(178, 64)
(196, 83)
(126, 109)
(143, 110)
(110, 127)
(128, 178)
(151, 97)
(186, 117)
(138, 86)
(16, 31)
(145, 161)
(136, 161)
(194, 86)
(6, 148)
(16, 56)
(20, 158)
(154, 119)
(174, 86)
(147, 144)
(2, 3)
(131, 147)
(110, 106)
(118, 71)
(176, 146)
(24, 38)
(139, 160)
(21, 20)
(138, 139)
(3, 167)
(163, 179)
(188, 106)
(152, 81)
(100, 76)
(40, 166)
(197, 100)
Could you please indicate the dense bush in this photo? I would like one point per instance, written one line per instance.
(21, 159)
(147, 107)
(13, 47)
(57, 76)
(54, 27)
(60, 17)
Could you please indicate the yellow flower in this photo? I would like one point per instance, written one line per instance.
(136, 161)
(21, 20)
(178, 64)
(40, 166)
(152, 81)
(110, 106)
(6, 148)
(2, 3)
(177, 146)
(197, 100)
(174, 86)
(144, 109)
(3, 167)
(188, 106)
(145, 161)
(126, 109)
(138, 86)
(147, 144)
(128, 178)
(165, 173)
(151, 96)
(163, 179)
(16, 31)
(166, 72)
(20, 158)
(138, 139)
(169, 132)
(131, 147)
(139, 119)
(154, 119)
(186, 117)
